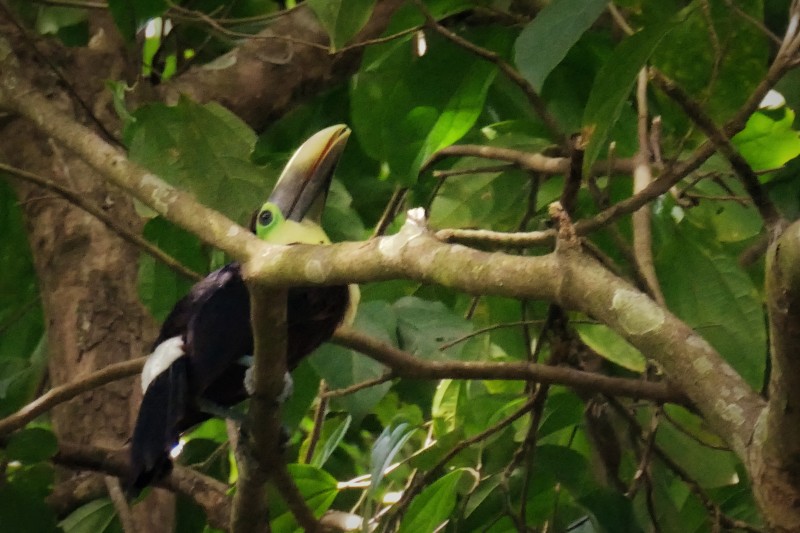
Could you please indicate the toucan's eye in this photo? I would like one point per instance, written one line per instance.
(265, 217)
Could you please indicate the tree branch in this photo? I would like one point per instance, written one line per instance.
(265, 75)
(78, 200)
(766, 208)
(532, 162)
(207, 492)
(642, 177)
(66, 392)
(256, 454)
(406, 365)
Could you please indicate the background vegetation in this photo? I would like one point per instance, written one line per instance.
(593, 329)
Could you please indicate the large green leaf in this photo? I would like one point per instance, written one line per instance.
(423, 326)
(399, 123)
(22, 510)
(730, 220)
(97, 516)
(432, 507)
(610, 345)
(709, 291)
(546, 40)
(159, 286)
(613, 85)
(204, 149)
(31, 445)
(318, 489)
(341, 367)
(714, 55)
(23, 347)
(342, 19)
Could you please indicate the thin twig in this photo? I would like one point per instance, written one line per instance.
(66, 392)
(469, 171)
(766, 208)
(424, 479)
(390, 212)
(336, 393)
(405, 365)
(710, 505)
(319, 420)
(642, 177)
(81, 202)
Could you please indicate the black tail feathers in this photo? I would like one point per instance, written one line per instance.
(158, 427)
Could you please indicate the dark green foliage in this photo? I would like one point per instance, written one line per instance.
(403, 107)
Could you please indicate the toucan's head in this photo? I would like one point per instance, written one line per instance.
(293, 211)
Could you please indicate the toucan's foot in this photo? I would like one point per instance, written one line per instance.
(286, 392)
(219, 411)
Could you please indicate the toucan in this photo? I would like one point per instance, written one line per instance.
(199, 360)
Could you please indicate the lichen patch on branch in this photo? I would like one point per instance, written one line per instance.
(316, 271)
(162, 194)
(637, 313)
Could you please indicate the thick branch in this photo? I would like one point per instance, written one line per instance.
(783, 300)
(264, 76)
(256, 453)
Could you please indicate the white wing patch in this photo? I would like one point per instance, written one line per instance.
(162, 357)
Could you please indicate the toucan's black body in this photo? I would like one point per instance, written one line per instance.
(210, 332)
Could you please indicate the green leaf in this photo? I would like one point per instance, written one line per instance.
(709, 467)
(716, 58)
(342, 19)
(402, 125)
(731, 221)
(329, 445)
(545, 41)
(444, 409)
(318, 489)
(97, 516)
(768, 141)
(610, 345)
(21, 510)
(562, 410)
(386, 447)
(431, 507)
(160, 286)
(31, 445)
(23, 353)
(204, 149)
(423, 326)
(341, 367)
(709, 291)
(613, 86)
